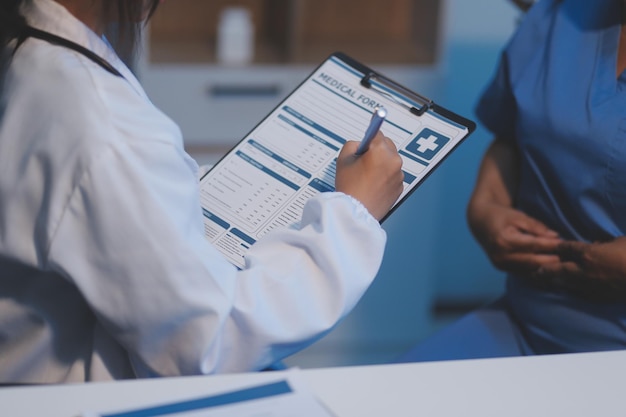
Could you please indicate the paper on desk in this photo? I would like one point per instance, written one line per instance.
(286, 396)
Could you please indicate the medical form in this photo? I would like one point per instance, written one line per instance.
(290, 156)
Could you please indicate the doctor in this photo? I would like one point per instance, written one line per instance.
(105, 272)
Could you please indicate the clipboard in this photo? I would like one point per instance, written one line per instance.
(264, 181)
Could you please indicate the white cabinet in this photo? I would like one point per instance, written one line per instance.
(215, 105)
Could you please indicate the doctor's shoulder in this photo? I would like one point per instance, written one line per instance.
(55, 79)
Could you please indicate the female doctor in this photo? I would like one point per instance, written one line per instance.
(105, 272)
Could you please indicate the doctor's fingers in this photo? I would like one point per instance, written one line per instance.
(383, 141)
(383, 153)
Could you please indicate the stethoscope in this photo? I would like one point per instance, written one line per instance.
(31, 32)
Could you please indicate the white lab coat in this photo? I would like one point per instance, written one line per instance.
(105, 272)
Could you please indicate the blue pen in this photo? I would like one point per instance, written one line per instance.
(378, 117)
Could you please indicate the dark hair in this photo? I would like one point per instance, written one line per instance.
(123, 19)
(11, 22)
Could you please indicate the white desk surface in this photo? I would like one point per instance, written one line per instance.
(591, 384)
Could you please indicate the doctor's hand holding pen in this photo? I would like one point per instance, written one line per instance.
(373, 177)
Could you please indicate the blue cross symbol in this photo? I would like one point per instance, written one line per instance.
(427, 144)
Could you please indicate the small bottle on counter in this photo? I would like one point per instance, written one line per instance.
(235, 37)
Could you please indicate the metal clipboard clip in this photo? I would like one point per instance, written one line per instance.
(370, 80)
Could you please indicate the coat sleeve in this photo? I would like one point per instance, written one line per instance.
(131, 239)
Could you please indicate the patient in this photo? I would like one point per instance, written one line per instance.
(549, 206)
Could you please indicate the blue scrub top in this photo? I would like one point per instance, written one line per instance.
(557, 95)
